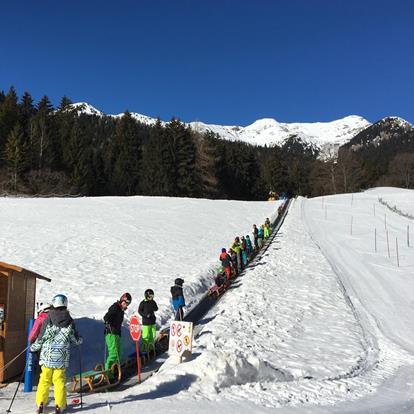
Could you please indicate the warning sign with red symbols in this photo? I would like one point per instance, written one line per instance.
(181, 337)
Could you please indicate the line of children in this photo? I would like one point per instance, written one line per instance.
(54, 330)
(242, 250)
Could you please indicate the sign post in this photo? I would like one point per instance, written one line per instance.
(181, 338)
(135, 331)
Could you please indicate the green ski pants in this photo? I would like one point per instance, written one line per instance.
(148, 337)
(113, 343)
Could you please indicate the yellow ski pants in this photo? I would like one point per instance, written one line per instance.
(50, 376)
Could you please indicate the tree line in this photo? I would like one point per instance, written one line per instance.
(46, 150)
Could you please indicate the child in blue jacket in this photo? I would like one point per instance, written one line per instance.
(178, 299)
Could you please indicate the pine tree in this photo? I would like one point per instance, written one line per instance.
(42, 148)
(126, 173)
(158, 172)
(9, 115)
(14, 153)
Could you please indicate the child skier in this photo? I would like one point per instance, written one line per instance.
(233, 257)
(226, 262)
(113, 327)
(243, 250)
(249, 247)
(236, 247)
(260, 236)
(178, 300)
(42, 315)
(147, 309)
(220, 278)
(266, 230)
(256, 237)
(54, 341)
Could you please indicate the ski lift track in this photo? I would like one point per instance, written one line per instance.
(196, 313)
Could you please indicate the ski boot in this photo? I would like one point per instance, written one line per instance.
(40, 409)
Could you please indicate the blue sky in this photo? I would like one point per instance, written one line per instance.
(225, 62)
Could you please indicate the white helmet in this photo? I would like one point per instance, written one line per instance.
(60, 301)
(43, 307)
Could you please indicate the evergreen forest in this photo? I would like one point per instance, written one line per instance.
(60, 151)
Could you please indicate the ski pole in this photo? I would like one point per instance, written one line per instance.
(14, 359)
(17, 389)
(80, 375)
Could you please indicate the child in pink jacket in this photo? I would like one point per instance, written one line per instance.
(43, 312)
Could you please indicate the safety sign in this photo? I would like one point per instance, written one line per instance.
(181, 338)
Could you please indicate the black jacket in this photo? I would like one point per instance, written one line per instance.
(146, 309)
(113, 319)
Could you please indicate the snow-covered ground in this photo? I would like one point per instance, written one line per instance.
(321, 324)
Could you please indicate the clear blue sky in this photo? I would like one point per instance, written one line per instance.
(218, 61)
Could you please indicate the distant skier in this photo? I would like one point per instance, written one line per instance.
(220, 278)
(54, 341)
(236, 247)
(260, 236)
(243, 250)
(249, 247)
(233, 257)
(256, 237)
(42, 315)
(266, 231)
(147, 309)
(178, 300)
(226, 262)
(113, 327)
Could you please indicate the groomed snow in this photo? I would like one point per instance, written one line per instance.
(321, 324)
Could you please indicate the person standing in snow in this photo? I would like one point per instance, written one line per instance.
(236, 247)
(178, 299)
(43, 313)
(243, 250)
(226, 262)
(266, 231)
(260, 236)
(147, 309)
(249, 247)
(256, 237)
(57, 334)
(113, 326)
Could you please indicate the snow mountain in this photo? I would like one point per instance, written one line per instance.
(326, 136)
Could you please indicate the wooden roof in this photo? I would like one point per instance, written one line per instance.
(6, 266)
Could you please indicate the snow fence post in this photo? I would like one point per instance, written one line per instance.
(388, 246)
(396, 248)
(408, 235)
(374, 209)
(375, 239)
(28, 374)
(326, 212)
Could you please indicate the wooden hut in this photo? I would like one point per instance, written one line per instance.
(17, 306)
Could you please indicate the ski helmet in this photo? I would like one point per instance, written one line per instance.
(179, 281)
(60, 301)
(126, 297)
(223, 250)
(43, 307)
(149, 292)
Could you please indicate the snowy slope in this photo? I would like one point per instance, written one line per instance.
(322, 324)
(327, 136)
